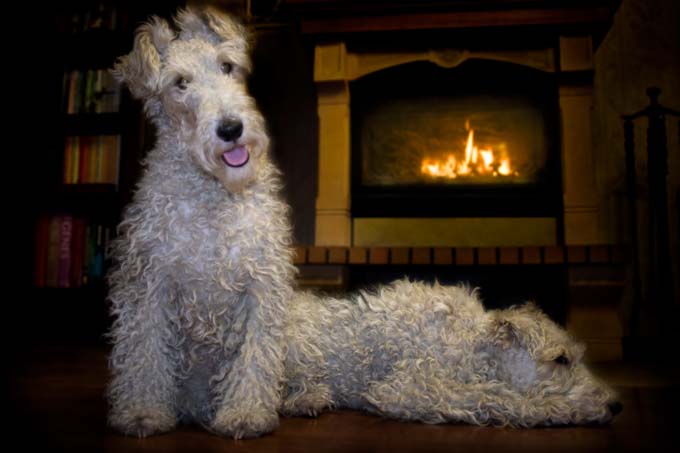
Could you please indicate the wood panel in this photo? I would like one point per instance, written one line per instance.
(457, 19)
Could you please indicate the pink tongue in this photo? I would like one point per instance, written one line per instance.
(236, 157)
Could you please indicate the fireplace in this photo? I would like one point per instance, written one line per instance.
(455, 143)
(470, 127)
(479, 139)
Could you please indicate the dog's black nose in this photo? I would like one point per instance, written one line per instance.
(615, 407)
(230, 130)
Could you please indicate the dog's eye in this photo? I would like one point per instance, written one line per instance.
(562, 360)
(181, 83)
(227, 68)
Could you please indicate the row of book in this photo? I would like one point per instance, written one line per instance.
(69, 251)
(90, 91)
(91, 159)
(103, 15)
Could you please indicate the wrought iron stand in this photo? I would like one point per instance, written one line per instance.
(658, 294)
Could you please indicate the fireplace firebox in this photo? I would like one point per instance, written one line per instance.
(480, 139)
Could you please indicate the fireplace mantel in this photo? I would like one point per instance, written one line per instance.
(335, 63)
(570, 58)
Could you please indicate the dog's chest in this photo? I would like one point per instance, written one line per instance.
(211, 246)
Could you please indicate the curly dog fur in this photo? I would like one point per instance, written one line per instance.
(431, 353)
(202, 265)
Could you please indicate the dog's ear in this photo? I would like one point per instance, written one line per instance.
(140, 69)
(217, 27)
(530, 307)
(504, 334)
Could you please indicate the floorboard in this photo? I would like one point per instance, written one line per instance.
(56, 397)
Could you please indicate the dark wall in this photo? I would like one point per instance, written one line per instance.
(283, 86)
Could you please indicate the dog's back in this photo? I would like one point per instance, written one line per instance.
(347, 343)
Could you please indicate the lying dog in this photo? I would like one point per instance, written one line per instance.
(431, 353)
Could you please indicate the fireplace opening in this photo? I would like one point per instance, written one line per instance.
(476, 140)
(480, 139)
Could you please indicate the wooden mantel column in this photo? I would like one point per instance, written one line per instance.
(581, 207)
(333, 219)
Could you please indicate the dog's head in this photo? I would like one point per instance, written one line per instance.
(538, 359)
(193, 84)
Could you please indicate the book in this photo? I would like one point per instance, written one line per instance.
(68, 161)
(53, 242)
(107, 93)
(65, 239)
(91, 159)
(77, 252)
(91, 91)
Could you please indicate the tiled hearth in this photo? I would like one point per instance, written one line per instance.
(462, 256)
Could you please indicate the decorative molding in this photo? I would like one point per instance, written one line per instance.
(457, 231)
(330, 62)
(333, 62)
(576, 53)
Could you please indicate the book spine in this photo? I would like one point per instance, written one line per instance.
(78, 92)
(99, 167)
(75, 168)
(89, 106)
(77, 251)
(92, 167)
(72, 91)
(66, 235)
(53, 241)
(111, 158)
(99, 93)
(68, 161)
(83, 144)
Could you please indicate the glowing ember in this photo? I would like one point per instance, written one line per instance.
(476, 162)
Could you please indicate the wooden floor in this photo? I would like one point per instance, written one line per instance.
(57, 402)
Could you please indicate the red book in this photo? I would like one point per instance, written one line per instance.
(77, 252)
(65, 251)
(53, 241)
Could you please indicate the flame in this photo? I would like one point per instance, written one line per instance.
(476, 162)
(504, 168)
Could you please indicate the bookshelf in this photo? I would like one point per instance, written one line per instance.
(89, 162)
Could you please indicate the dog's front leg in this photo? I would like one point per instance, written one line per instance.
(418, 392)
(250, 395)
(142, 391)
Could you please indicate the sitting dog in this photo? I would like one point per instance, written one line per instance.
(202, 266)
(432, 353)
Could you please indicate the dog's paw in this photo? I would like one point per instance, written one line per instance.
(309, 404)
(143, 424)
(244, 424)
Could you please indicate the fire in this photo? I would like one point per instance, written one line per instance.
(476, 162)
